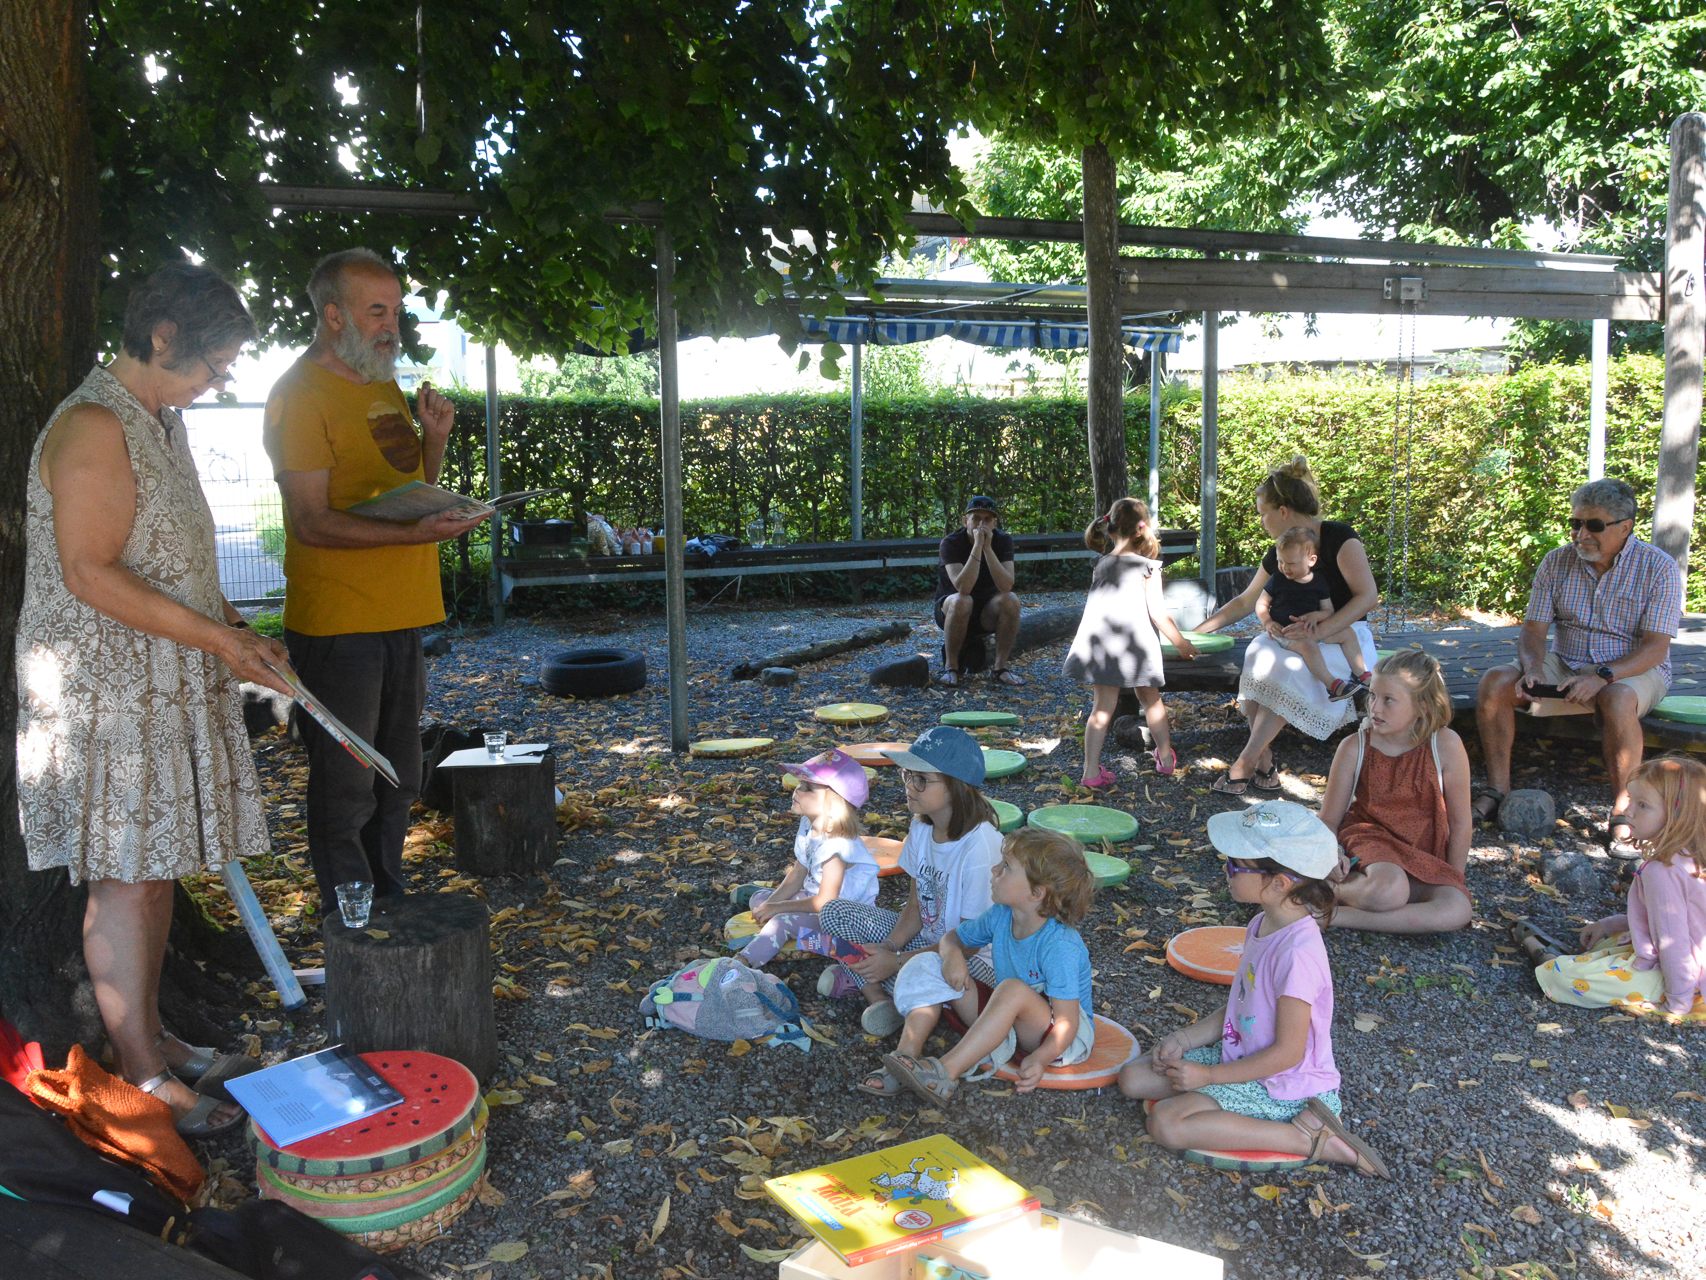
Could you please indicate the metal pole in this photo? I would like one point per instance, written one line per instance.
(494, 479)
(1210, 441)
(858, 444)
(675, 543)
(1685, 337)
(1596, 398)
(1156, 358)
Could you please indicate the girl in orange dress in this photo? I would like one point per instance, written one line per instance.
(1398, 799)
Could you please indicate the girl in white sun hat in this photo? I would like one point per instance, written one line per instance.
(1259, 1074)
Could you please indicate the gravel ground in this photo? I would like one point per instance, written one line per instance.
(1526, 1139)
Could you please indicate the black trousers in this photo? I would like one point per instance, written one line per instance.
(375, 682)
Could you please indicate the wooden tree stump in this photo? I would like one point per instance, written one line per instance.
(506, 817)
(425, 984)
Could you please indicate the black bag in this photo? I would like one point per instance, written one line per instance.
(269, 1240)
(437, 742)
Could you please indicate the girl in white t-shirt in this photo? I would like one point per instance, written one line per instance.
(949, 852)
(830, 860)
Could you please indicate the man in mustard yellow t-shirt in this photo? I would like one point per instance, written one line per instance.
(358, 590)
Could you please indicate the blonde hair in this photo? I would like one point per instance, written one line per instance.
(1127, 522)
(1299, 535)
(966, 809)
(1054, 862)
(1419, 673)
(1291, 485)
(837, 817)
(1681, 786)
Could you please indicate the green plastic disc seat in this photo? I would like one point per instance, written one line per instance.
(1089, 823)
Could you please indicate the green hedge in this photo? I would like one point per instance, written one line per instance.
(1491, 463)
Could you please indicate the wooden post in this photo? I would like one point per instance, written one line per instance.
(1685, 337)
(419, 976)
(675, 544)
(506, 817)
(856, 447)
(1210, 441)
(494, 479)
(1599, 379)
(1156, 359)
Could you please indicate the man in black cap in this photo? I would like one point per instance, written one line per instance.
(974, 591)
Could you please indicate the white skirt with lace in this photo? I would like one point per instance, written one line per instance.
(1278, 679)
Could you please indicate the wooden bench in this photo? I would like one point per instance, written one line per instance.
(548, 570)
(1464, 655)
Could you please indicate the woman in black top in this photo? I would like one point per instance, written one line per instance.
(1275, 687)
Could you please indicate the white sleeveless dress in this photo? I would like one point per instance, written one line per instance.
(133, 762)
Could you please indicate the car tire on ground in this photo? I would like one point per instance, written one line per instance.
(593, 673)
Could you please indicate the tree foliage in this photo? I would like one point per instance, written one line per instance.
(550, 114)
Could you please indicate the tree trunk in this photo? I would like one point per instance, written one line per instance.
(49, 270)
(1107, 353)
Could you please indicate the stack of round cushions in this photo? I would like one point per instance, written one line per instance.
(398, 1177)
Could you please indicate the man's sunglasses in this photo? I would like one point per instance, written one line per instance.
(1595, 525)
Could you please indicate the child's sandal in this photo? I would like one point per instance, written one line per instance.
(1368, 1162)
(1103, 777)
(926, 1077)
(879, 1084)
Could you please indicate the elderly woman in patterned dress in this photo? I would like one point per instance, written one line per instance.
(133, 764)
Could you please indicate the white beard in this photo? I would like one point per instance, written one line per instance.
(362, 356)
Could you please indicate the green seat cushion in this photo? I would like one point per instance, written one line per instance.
(979, 719)
(1214, 642)
(1008, 817)
(1001, 764)
(1088, 822)
(1689, 708)
(1107, 869)
(852, 712)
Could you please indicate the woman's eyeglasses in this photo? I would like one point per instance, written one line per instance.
(1594, 525)
(915, 781)
(214, 376)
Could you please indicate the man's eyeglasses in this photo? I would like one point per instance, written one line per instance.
(1595, 525)
(214, 376)
(915, 781)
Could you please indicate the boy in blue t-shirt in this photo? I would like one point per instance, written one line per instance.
(1041, 1004)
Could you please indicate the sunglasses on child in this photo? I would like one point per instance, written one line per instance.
(1239, 869)
(1594, 525)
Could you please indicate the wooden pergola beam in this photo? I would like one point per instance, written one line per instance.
(1190, 284)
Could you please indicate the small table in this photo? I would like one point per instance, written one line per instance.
(505, 810)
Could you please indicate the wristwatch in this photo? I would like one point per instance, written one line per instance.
(1605, 673)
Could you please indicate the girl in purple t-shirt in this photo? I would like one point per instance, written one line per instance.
(1260, 1074)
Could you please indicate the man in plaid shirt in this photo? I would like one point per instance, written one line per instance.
(1616, 602)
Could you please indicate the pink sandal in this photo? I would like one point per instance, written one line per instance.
(1104, 778)
(1171, 767)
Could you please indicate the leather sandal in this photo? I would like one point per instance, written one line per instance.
(1489, 813)
(1007, 676)
(1368, 1162)
(1266, 779)
(198, 1122)
(1227, 785)
(926, 1077)
(206, 1069)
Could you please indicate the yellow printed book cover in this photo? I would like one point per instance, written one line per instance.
(899, 1198)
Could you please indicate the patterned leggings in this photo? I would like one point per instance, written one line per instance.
(853, 921)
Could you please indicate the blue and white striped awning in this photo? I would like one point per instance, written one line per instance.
(890, 331)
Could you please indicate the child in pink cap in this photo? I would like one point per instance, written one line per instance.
(830, 860)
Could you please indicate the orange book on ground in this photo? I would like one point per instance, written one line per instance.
(899, 1198)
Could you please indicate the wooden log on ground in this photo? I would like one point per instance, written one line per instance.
(821, 650)
(419, 976)
(506, 817)
(1038, 627)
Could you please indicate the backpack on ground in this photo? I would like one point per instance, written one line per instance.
(723, 998)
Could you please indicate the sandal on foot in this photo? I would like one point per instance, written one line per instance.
(881, 1083)
(1620, 846)
(926, 1077)
(948, 679)
(1341, 690)
(206, 1069)
(1104, 777)
(1368, 1161)
(1008, 676)
(198, 1121)
(1538, 945)
(1487, 813)
(1227, 785)
(881, 1019)
(1266, 779)
(1171, 766)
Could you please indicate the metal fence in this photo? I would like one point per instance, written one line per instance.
(248, 515)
